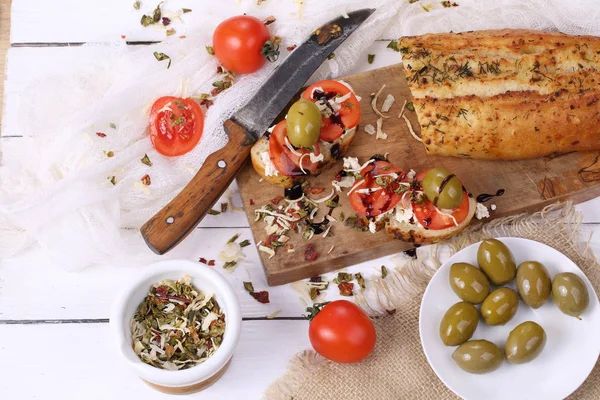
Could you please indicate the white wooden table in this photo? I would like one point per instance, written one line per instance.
(54, 336)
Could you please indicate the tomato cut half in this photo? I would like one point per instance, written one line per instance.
(382, 199)
(176, 125)
(285, 161)
(347, 117)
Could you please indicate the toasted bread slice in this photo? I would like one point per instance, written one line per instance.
(417, 234)
(331, 153)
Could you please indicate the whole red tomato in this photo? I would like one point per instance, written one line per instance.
(342, 332)
(237, 43)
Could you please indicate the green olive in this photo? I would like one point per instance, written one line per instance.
(525, 342)
(570, 294)
(533, 283)
(500, 306)
(442, 188)
(303, 123)
(478, 356)
(496, 261)
(459, 323)
(469, 283)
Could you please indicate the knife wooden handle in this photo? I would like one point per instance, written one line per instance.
(178, 218)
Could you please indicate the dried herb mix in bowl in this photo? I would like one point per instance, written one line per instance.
(176, 326)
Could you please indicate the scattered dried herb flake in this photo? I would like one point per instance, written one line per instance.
(269, 20)
(186, 10)
(393, 45)
(361, 281)
(146, 160)
(137, 5)
(213, 212)
(170, 32)
(210, 50)
(410, 106)
(146, 180)
(161, 57)
(112, 179)
(371, 58)
(342, 277)
(249, 287)
(384, 272)
(245, 243)
(113, 125)
(224, 207)
(233, 238)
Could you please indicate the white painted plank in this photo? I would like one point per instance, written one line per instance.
(32, 288)
(80, 361)
(65, 21)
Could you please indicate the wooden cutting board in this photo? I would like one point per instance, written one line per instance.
(529, 185)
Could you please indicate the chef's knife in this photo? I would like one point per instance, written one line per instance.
(178, 218)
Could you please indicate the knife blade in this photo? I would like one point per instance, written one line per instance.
(182, 214)
(262, 109)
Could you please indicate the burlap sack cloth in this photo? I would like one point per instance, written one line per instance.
(398, 369)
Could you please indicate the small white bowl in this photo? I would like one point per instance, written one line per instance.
(206, 280)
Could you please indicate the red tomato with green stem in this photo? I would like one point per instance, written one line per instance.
(341, 331)
(238, 42)
(176, 125)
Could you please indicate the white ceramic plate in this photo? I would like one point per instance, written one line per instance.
(572, 346)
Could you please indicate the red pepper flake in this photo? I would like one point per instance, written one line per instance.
(269, 240)
(203, 260)
(162, 291)
(123, 36)
(211, 263)
(276, 200)
(338, 177)
(166, 21)
(182, 299)
(391, 312)
(269, 20)
(261, 297)
(317, 190)
(182, 37)
(316, 279)
(291, 48)
(288, 247)
(252, 202)
(207, 103)
(101, 134)
(310, 254)
(346, 288)
(146, 180)
(219, 69)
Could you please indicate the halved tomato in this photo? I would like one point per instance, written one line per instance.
(347, 117)
(384, 198)
(430, 218)
(285, 161)
(176, 125)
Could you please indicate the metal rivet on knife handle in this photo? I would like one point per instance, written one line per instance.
(170, 220)
(221, 164)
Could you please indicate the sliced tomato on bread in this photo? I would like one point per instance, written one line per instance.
(346, 114)
(434, 218)
(286, 161)
(376, 193)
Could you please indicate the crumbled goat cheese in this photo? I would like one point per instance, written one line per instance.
(411, 174)
(372, 227)
(481, 211)
(270, 169)
(493, 207)
(370, 129)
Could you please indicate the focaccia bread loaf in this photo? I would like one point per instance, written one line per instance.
(505, 94)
